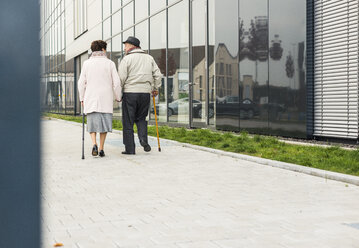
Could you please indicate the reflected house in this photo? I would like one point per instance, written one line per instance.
(70, 87)
(179, 87)
(224, 59)
(226, 72)
(199, 71)
(177, 72)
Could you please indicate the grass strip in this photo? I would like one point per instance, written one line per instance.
(327, 158)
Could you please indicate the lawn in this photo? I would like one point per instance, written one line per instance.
(327, 158)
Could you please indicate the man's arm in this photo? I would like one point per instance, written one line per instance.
(122, 71)
(157, 78)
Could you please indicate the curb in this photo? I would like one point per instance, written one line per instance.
(283, 165)
(273, 163)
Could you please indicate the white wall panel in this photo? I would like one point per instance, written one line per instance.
(336, 68)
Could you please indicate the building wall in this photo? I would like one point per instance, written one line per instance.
(162, 27)
(243, 62)
(336, 98)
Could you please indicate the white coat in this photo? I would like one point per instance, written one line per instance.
(139, 72)
(98, 83)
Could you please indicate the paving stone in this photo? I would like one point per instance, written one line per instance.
(182, 197)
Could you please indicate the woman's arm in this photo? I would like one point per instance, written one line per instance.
(82, 83)
(116, 84)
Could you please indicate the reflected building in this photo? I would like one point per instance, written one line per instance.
(231, 65)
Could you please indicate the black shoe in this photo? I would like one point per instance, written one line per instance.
(128, 153)
(102, 153)
(94, 150)
(145, 145)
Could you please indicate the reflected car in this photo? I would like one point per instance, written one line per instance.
(248, 109)
(182, 105)
(230, 105)
(274, 109)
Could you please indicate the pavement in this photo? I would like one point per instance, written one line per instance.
(184, 198)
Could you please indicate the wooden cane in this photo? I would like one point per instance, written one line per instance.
(158, 137)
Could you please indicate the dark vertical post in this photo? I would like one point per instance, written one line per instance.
(20, 124)
(149, 45)
(207, 59)
(310, 69)
(190, 65)
(239, 65)
(166, 82)
(268, 70)
(76, 68)
(102, 18)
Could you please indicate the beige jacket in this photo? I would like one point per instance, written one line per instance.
(139, 73)
(98, 83)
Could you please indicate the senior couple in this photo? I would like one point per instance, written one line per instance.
(137, 78)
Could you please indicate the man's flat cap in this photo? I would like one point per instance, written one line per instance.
(132, 40)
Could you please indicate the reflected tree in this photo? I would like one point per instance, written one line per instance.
(258, 38)
(289, 66)
(276, 51)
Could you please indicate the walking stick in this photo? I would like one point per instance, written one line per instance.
(158, 137)
(83, 134)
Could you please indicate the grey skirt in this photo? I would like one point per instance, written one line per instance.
(99, 122)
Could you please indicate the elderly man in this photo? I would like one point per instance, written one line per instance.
(140, 77)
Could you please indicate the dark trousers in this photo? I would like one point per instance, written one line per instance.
(134, 110)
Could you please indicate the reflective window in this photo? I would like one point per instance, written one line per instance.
(116, 23)
(127, 33)
(141, 9)
(106, 8)
(116, 4)
(141, 32)
(62, 82)
(80, 17)
(158, 51)
(109, 48)
(125, 2)
(226, 56)
(116, 49)
(116, 56)
(211, 64)
(107, 29)
(198, 62)
(128, 15)
(156, 5)
(63, 31)
(253, 67)
(178, 63)
(287, 80)
(169, 2)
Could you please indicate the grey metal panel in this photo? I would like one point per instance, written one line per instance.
(20, 124)
(336, 68)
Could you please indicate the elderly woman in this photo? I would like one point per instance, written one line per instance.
(98, 81)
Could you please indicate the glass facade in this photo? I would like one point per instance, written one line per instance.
(260, 66)
(233, 65)
(54, 82)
